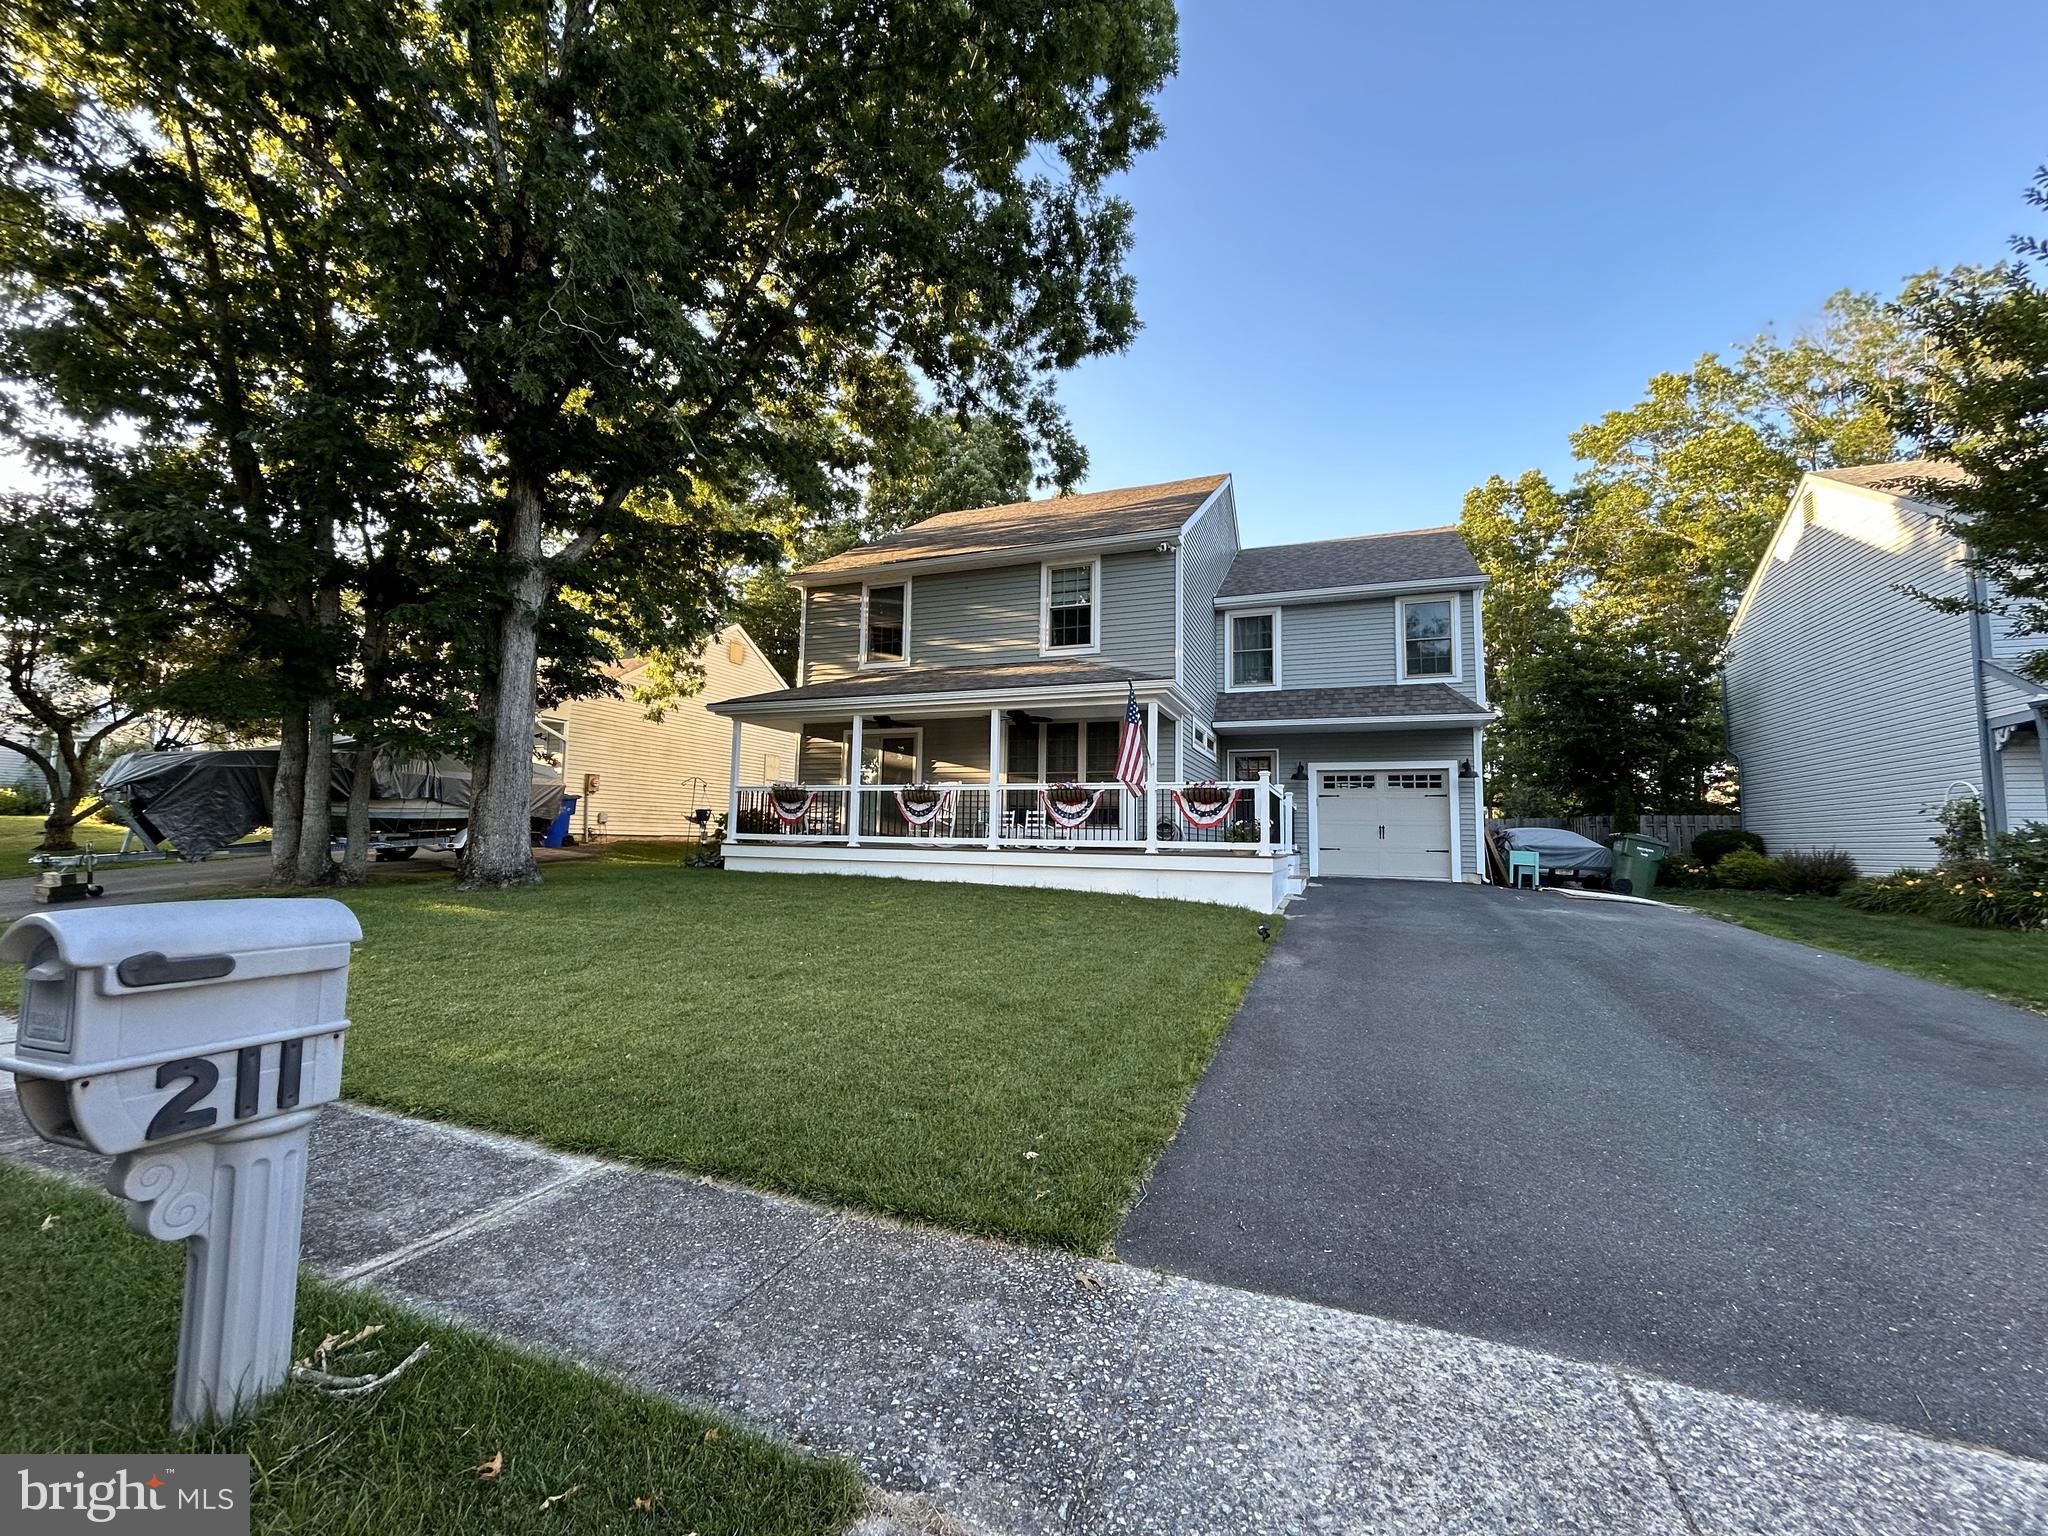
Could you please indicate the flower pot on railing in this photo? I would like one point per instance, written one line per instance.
(922, 804)
(1070, 805)
(1204, 805)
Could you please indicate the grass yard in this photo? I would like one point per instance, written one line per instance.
(2001, 962)
(1004, 1061)
(18, 838)
(96, 1376)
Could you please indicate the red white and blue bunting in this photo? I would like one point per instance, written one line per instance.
(924, 815)
(1208, 817)
(783, 797)
(1075, 814)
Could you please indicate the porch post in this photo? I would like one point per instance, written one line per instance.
(853, 786)
(1152, 777)
(732, 790)
(995, 778)
(1269, 810)
(2041, 742)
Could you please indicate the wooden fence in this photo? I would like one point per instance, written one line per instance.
(1678, 831)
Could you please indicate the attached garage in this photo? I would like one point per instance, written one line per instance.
(1392, 822)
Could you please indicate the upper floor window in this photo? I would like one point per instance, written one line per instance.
(1070, 601)
(1429, 645)
(1254, 649)
(885, 624)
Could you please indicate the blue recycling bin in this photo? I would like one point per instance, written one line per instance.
(558, 829)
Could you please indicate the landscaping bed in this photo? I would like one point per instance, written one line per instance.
(2002, 962)
(95, 1376)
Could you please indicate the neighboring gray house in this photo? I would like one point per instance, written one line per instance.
(1335, 690)
(1854, 710)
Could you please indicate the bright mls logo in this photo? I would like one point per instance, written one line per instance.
(165, 1496)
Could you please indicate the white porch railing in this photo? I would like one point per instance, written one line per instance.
(1246, 815)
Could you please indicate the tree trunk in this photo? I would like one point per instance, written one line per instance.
(355, 857)
(500, 848)
(315, 865)
(286, 796)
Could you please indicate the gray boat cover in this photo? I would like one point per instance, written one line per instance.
(1560, 849)
(203, 802)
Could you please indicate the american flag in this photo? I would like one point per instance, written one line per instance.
(1130, 751)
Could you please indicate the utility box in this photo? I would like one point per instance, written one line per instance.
(147, 1023)
(194, 1042)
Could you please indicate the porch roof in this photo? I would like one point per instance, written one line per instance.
(1384, 703)
(1007, 683)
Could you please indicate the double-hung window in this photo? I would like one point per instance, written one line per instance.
(1428, 638)
(885, 625)
(1070, 603)
(1254, 649)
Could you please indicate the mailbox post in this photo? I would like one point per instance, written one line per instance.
(195, 1043)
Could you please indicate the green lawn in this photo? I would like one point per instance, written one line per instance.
(1998, 961)
(92, 1334)
(1005, 1061)
(18, 838)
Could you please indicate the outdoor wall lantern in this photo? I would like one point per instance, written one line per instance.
(1465, 769)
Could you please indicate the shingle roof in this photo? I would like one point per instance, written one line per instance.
(1426, 554)
(1388, 700)
(1138, 511)
(1897, 477)
(895, 683)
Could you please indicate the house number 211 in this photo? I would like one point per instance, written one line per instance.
(201, 1076)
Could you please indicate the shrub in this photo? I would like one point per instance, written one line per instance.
(2008, 899)
(1747, 870)
(2025, 849)
(1716, 843)
(1961, 838)
(1815, 872)
(1684, 871)
(1908, 890)
(17, 800)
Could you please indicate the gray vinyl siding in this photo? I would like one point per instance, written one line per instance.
(1352, 644)
(1199, 763)
(1137, 613)
(975, 618)
(991, 616)
(2007, 648)
(1849, 704)
(1205, 556)
(2026, 798)
(1316, 749)
(831, 634)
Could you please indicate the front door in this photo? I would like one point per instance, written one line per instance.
(888, 757)
(1245, 767)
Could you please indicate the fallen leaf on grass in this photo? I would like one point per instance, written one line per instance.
(555, 1498)
(1030, 1157)
(712, 1434)
(49, 1221)
(1041, 1194)
(487, 1472)
(1088, 1281)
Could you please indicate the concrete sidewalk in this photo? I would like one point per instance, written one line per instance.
(1026, 1391)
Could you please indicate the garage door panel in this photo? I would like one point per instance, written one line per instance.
(1384, 823)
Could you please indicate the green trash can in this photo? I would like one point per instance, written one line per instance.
(1636, 858)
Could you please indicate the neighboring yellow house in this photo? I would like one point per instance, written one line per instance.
(651, 774)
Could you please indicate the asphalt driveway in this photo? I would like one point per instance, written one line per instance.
(1637, 1136)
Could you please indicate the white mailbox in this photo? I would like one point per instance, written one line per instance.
(194, 1042)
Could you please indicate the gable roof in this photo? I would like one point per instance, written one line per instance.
(1135, 512)
(1368, 560)
(1895, 478)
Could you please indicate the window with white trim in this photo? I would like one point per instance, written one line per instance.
(1204, 738)
(1254, 649)
(1070, 607)
(1429, 646)
(885, 624)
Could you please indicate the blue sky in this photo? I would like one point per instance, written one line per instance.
(1389, 249)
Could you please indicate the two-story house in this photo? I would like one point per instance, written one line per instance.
(1855, 710)
(965, 687)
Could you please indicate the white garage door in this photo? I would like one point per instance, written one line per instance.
(1390, 823)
